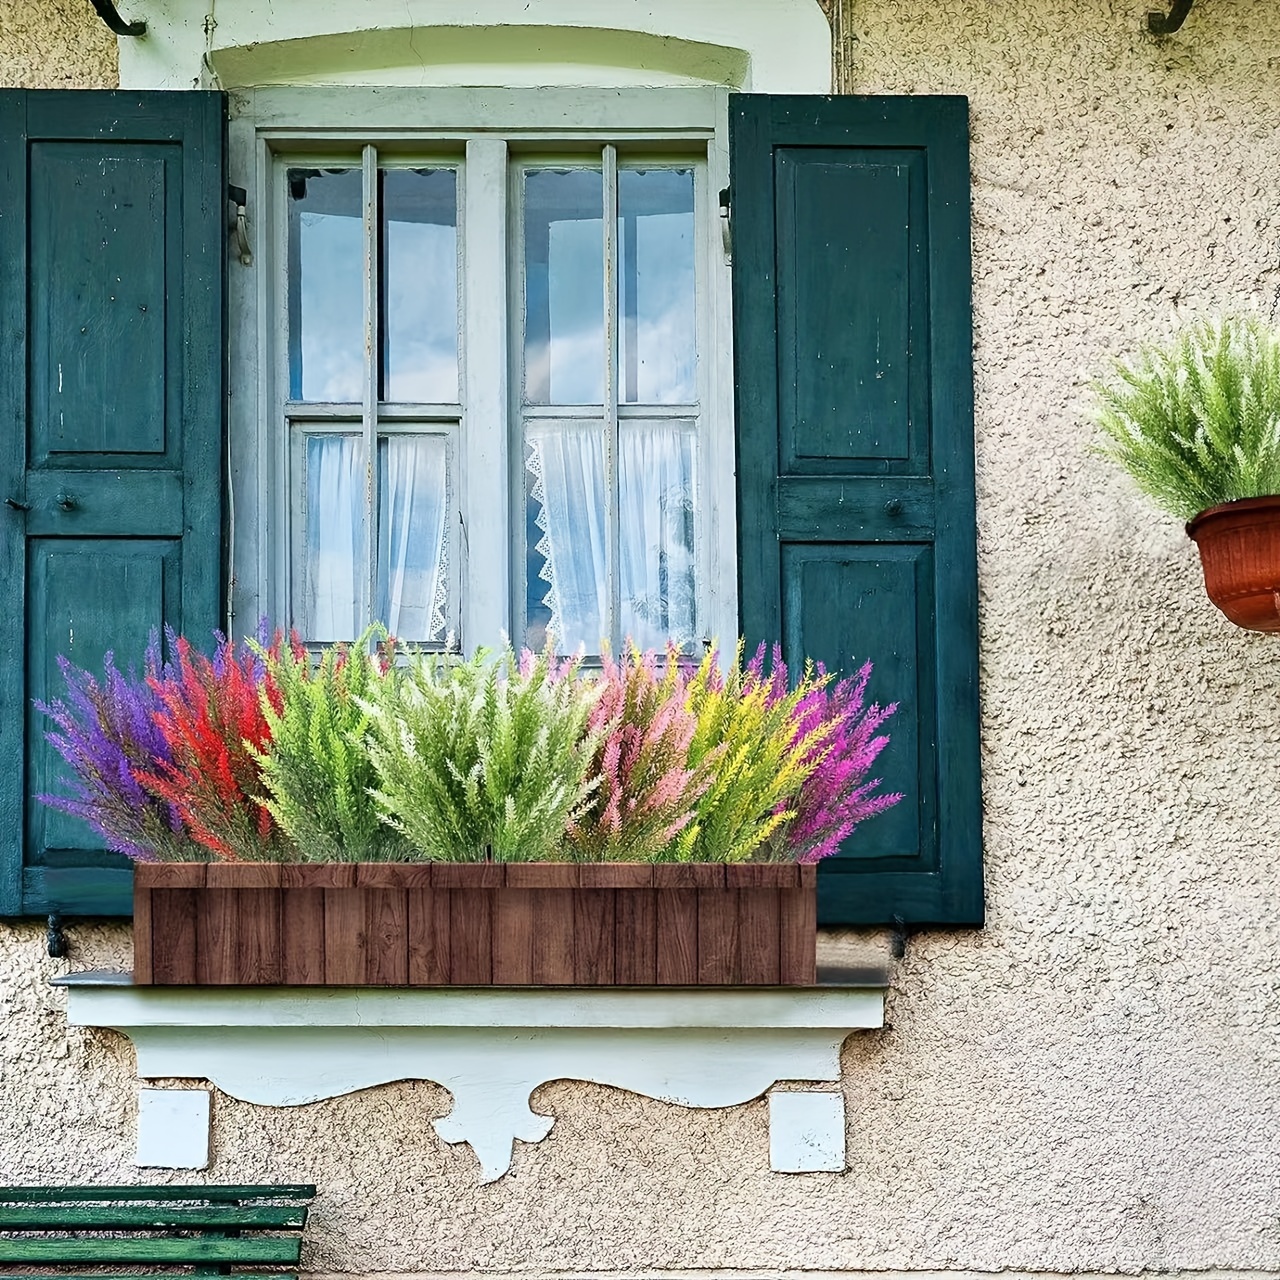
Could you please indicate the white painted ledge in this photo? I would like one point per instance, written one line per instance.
(491, 1047)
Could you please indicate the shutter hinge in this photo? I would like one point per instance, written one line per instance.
(238, 197)
(726, 224)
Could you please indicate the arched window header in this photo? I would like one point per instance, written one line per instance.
(769, 46)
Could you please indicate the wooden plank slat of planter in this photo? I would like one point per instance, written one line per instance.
(542, 875)
(513, 932)
(302, 937)
(533, 937)
(468, 875)
(719, 952)
(798, 922)
(616, 875)
(169, 875)
(142, 951)
(173, 932)
(473, 887)
(344, 925)
(429, 936)
(243, 875)
(762, 875)
(760, 935)
(317, 875)
(170, 888)
(553, 937)
(173, 936)
(240, 942)
(385, 937)
(676, 926)
(595, 936)
(394, 875)
(635, 955)
(217, 936)
(471, 936)
(259, 962)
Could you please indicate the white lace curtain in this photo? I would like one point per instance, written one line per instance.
(412, 585)
(655, 510)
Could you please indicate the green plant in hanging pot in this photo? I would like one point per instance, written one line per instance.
(1196, 423)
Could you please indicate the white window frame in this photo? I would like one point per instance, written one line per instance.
(488, 124)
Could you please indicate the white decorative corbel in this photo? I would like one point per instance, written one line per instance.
(490, 1047)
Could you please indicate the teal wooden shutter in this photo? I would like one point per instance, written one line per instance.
(112, 208)
(855, 457)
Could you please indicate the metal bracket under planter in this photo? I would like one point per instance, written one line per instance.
(475, 924)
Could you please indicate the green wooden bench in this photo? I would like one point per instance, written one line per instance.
(208, 1229)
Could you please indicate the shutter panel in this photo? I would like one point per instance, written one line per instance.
(855, 458)
(112, 208)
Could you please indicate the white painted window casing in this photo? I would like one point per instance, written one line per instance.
(490, 138)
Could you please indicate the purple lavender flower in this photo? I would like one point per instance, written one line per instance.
(108, 735)
(836, 795)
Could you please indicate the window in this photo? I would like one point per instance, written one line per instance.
(494, 405)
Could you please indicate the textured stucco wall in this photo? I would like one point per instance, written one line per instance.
(1093, 1082)
(55, 44)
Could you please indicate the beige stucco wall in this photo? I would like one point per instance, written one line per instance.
(55, 44)
(1093, 1082)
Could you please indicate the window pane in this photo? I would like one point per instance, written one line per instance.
(332, 553)
(413, 536)
(326, 285)
(658, 336)
(566, 568)
(419, 285)
(564, 355)
(655, 510)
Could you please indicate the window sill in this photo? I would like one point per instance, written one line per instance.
(491, 1047)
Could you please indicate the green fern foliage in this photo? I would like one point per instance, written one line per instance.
(488, 758)
(317, 772)
(1198, 422)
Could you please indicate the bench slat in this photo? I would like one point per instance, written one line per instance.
(112, 1217)
(250, 1249)
(152, 1275)
(70, 1195)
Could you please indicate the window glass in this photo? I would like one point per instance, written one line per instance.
(326, 285)
(657, 329)
(413, 499)
(332, 553)
(419, 285)
(656, 540)
(563, 287)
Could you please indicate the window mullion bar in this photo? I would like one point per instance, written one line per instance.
(613, 557)
(371, 357)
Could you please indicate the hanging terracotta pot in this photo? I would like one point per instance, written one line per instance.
(1240, 552)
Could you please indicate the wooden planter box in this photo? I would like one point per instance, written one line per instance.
(473, 924)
